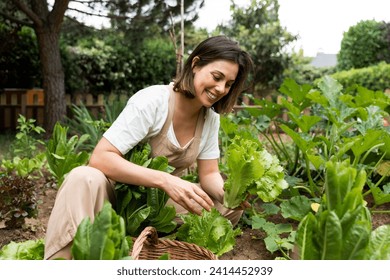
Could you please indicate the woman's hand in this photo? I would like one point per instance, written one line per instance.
(187, 194)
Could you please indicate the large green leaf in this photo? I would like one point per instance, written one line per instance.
(330, 236)
(379, 247)
(305, 238)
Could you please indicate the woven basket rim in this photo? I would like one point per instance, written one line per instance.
(147, 246)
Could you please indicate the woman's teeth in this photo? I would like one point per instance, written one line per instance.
(211, 96)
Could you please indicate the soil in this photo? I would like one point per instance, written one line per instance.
(249, 246)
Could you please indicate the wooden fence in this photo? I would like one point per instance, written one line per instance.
(30, 103)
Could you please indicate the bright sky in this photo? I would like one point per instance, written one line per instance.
(320, 24)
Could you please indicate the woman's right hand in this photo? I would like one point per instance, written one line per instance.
(187, 194)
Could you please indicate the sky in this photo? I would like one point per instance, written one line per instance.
(320, 24)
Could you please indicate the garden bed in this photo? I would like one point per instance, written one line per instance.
(249, 246)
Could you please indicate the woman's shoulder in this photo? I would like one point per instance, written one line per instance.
(211, 117)
(156, 95)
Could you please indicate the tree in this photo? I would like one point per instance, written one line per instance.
(364, 44)
(47, 25)
(257, 28)
(46, 19)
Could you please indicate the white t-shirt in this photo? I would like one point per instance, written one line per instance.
(144, 116)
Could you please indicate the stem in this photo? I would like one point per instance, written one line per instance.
(380, 211)
(313, 187)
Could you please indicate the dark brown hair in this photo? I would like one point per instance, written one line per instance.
(212, 49)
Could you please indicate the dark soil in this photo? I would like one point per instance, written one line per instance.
(249, 246)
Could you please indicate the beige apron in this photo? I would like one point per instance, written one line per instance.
(86, 188)
(178, 157)
(182, 158)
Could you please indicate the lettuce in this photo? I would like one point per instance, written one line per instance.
(251, 170)
(210, 230)
(104, 239)
(27, 250)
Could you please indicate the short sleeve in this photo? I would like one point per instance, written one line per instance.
(142, 118)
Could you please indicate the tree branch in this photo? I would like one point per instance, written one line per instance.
(58, 11)
(98, 15)
(28, 12)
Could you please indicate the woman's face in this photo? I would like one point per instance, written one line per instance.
(213, 81)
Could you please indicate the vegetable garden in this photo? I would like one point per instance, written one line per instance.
(318, 181)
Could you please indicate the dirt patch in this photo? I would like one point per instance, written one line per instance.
(249, 246)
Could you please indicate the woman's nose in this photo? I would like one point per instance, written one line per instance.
(220, 87)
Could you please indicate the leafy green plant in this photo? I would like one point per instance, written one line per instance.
(341, 229)
(18, 200)
(25, 167)
(250, 169)
(143, 206)
(61, 152)
(84, 123)
(26, 143)
(104, 239)
(323, 124)
(26, 250)
(210, 230)
(275, 241)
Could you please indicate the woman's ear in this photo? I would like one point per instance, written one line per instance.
(195, 61)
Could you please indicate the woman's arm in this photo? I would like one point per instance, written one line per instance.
(212, 182)
(109, 160)
(210, 178)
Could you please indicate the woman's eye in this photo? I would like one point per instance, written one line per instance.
(216, 78)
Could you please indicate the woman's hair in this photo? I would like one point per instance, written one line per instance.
(212, 49)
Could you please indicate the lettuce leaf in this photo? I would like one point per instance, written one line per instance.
(27, 250)
(251, 169)
(104, 239)
(210, 230)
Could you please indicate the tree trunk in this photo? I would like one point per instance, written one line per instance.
(53, 76)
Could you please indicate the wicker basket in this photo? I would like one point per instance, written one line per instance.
(148, 246)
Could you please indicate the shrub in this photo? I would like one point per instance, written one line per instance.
(375, 77)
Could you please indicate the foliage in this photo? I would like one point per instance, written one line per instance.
(19, 58)
(251, 170)
(376, 77)
(364, 44)
(140, 20)
(210, 230)
(26, 250)
(275, 240)
(257, 28)
(62, 153)
(26, 143)
(83, 122)
(107, 65)
(104, 239)
(144, 206)
(25, 167)
(18, 200)
(341, 229)
(323, 124)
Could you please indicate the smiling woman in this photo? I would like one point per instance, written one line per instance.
(180, 121)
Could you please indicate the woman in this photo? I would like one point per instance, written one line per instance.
(180, 121)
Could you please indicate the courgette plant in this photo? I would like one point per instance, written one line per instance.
(326, 122)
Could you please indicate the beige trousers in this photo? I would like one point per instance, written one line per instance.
(83, 194)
